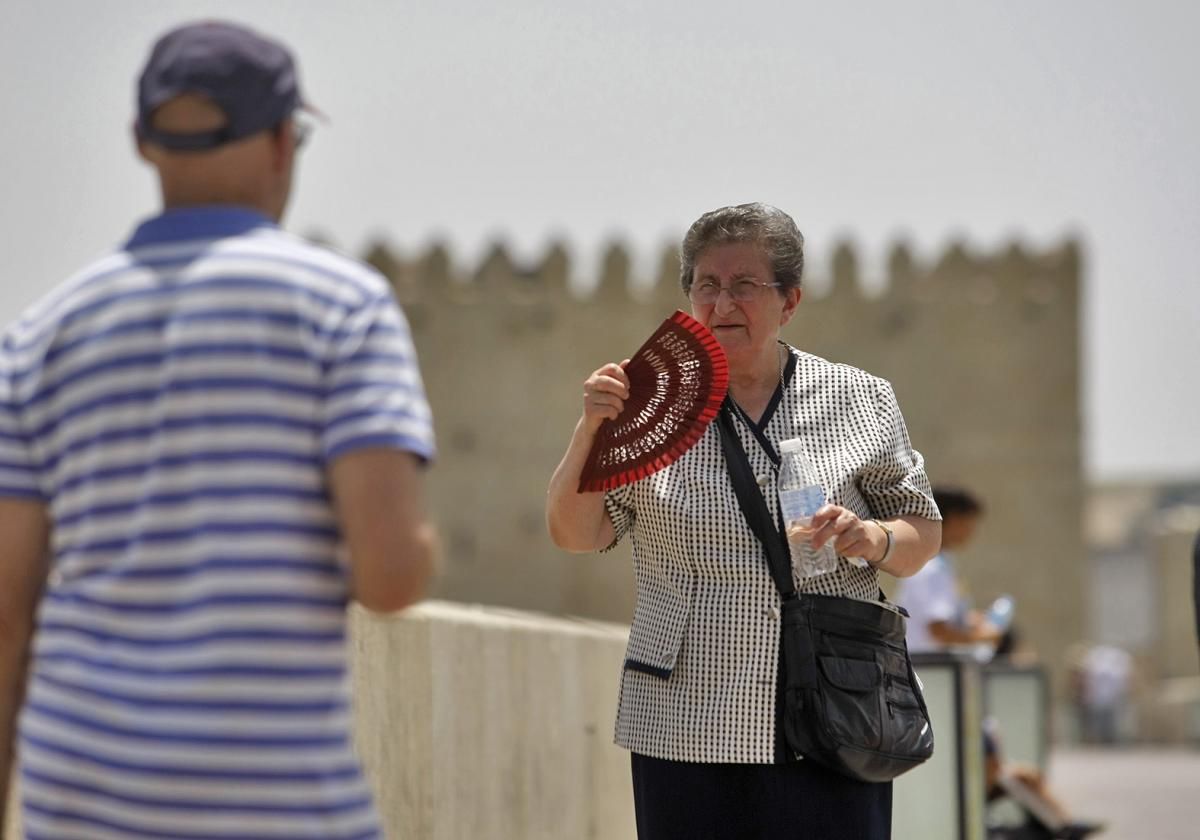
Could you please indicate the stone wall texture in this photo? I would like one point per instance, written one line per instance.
(478, 722)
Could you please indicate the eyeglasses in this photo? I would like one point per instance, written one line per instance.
(301, 130)
(742, 291)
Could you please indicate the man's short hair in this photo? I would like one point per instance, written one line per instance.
(955, 501)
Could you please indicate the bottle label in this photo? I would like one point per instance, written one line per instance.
(800, 504)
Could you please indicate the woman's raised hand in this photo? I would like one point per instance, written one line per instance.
(604, 394)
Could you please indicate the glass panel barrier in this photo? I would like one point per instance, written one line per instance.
(943, 799)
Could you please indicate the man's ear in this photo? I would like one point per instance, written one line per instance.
(283, 147)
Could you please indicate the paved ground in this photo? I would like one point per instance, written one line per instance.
(1141, 794)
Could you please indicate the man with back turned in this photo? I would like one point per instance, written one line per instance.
(191, 429)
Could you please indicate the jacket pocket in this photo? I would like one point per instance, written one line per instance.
(660, 620)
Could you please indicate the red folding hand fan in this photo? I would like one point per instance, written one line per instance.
(677, 381)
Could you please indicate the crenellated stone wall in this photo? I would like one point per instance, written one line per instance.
(983, 351)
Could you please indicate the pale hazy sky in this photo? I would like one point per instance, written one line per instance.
(527, 120)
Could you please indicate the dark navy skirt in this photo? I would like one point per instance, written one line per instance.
(679, 800)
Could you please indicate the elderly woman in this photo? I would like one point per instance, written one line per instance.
(698, 703)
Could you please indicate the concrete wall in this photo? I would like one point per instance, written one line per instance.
(10, 827)
(983, 350)
(1176, 653)
(487, 723)
(1167, 695)
(478, 722)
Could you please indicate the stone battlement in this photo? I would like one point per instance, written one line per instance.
(499, 278)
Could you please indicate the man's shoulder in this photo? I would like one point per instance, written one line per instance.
(306, 260)
(330, 274)
(53, 303)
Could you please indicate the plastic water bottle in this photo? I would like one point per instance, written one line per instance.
(800, 496)
(1000, 613)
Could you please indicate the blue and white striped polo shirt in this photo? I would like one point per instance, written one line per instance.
(175, 407)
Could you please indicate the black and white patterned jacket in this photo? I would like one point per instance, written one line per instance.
(700, 668)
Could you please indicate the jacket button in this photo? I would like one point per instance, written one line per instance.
(773, 612)
(763, 480)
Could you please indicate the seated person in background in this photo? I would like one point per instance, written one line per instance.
(1045, 816)
(940, 616)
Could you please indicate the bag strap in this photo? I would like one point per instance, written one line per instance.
(754, 508)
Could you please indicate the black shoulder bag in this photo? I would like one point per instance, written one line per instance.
(851, 699)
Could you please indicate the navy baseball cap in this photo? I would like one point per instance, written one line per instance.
(252, 79)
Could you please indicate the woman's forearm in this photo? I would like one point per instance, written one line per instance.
(916, 540)
(577, 521)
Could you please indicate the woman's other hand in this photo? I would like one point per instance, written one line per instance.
(851, 536)
(914, 539)
(604, 395)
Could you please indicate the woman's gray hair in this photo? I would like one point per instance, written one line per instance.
(763, 224)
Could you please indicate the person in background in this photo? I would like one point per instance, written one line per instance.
(939, 614)
(940, 619)
(1046, 818)
(1107, 677)
(191, 431)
